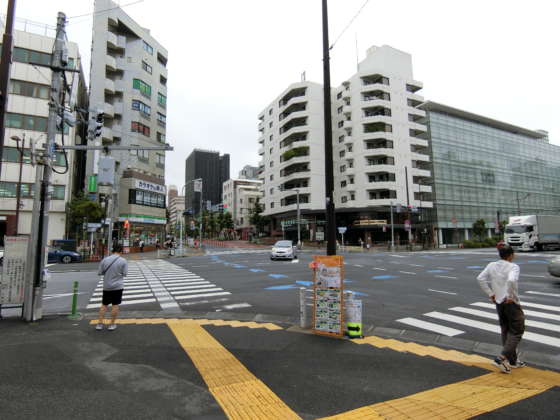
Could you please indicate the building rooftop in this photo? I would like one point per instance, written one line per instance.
(445, 109)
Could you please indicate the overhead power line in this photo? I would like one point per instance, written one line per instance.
(349, 24)
(105, 10)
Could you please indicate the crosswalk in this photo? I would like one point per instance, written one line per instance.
(166, 285)
(542, 321)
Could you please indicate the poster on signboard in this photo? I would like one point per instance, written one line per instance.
(12, 281)
(328, 307)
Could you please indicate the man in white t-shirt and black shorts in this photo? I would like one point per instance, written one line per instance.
(113, 269)
(503, 276)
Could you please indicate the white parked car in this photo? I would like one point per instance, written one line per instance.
(284, 250)
(554, 267)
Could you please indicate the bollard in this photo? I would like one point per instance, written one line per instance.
(75, 315)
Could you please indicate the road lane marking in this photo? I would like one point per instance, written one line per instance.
(446, 268)
(407, 272)
(416, 265)
(382, 269)
(237, 306)
(529, 336)
(430, 326)
(124, 302)
(397, 256)
(441, 291)
(493, 315)
(201, 295)
(187, 292)
(446, 277)
(99, 299)
(358, 265)
(544, 294)
(533, 275)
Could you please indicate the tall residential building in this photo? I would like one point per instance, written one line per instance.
(380, 149)
(249, 172)
(213, 169)
(176, 209)
(482, 167)
(240, 196)
(129, 84)
(291, 145)
(171, 193)
(26, 119)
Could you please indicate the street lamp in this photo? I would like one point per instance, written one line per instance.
(18, 193)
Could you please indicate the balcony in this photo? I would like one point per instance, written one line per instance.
(293, 93)
(261, 151)
(424, 172)
(375, 79)
(120, 63)
(423, 188)
(118, 108)
(293, 153)
(296, 108)
(119, 86)
(261, 139)
(108, 110)
(420, 157)
(121, 41)
(377, 127)
(418, 127)
(107, 133)
(347, 110)
(261, 126)
(418, 141)
(378, 144)
(381, 194)
(111, 63)
(292, 123)
(414, 86)
(112, 40)
(293, 139)
(109, 86)
(348, 125)
(294, 169)
(112, 20)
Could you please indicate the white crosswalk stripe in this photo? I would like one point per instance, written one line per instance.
(163, 283)
(237, 251)
(541, 326)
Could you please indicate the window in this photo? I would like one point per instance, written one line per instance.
(162, 60)
(148, 48)
(9, 190)
(270, 124)
(160, 137)
(162, 100)
(349, 147)
(23, 55)
(147, 68)
(33, 90)
(350, 163)
(343, 199)
(144, 88)
(27, 122)
(271, 149)
(352, 197)
(161, 119)
(160, 160)
(272, 205)
(146, 198)
(339, 95)
(271, 163)
(270, 111)
(270, 138)
(137, 127)
(339, 110)
(163, 80)
(141, 106)
(340, 139)
(342, 168)
(351, 180)
(58, 192)
(341, 153)
(340, 124)
(342, 184)
(271, 177)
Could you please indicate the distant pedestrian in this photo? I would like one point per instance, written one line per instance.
(141, 245)
(503, 276)
(113, 269)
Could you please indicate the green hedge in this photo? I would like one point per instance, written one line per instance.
(486, 243)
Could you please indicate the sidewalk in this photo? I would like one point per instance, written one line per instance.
(155, 368)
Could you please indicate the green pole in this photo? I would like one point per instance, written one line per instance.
(75, 315)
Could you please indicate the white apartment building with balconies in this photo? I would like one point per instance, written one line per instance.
(290, 144)
(240, 197)
(128, 82)
(380, 151)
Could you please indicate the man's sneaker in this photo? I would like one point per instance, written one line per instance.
(502, 364)
(112, 327)
(518, 364)
(99, 327)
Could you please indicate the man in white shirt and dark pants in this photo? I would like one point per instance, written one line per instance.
(503, 276)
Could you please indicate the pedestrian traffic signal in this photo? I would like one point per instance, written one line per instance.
(99, 124)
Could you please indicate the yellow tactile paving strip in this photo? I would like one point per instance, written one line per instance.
(218, 322)
(461, 400)
(243, 396)
(240, 394)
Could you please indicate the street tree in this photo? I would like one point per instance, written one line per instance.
(257, 219)
(479, 228)
(81, 209)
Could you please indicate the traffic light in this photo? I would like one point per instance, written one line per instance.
(99, 124)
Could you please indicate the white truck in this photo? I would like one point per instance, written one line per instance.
(533, 232)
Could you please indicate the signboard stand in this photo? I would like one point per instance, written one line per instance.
(12, 281)
(328, 295)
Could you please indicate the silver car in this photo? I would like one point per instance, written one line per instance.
(554, 267)
(283, 250)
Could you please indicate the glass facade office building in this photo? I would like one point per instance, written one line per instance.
(483, 166)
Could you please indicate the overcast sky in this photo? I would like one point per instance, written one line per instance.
(229, 59)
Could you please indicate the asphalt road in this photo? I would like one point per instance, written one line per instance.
(434, 292)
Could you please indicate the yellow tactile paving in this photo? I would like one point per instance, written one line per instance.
(240, 394)
(217, 322)
(461, 400)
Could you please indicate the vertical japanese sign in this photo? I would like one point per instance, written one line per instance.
(328, 299)
(12, 282)
(197, 185)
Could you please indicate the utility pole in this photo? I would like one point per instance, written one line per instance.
(329, 175)
(21, 151)
(5, 64)
(40, 240)
(298, 220)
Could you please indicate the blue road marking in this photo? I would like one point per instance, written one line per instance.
(358, 293)
(474, 267)
(304, 283)
(277, 276)
(538, 261)
(438, 271)
(239, 266)
(256, 270)
(385, 276)
(284, 287)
